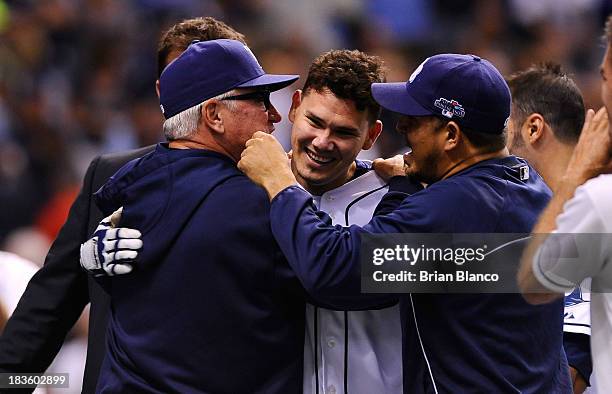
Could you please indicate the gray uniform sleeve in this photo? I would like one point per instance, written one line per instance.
(577, 249)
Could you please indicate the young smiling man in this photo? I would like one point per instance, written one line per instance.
(335, 117)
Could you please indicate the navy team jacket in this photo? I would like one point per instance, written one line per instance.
(212, 306)
(485, 343)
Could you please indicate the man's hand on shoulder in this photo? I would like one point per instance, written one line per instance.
(388, 168)
(112, 250)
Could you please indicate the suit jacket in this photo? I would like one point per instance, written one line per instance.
(57, 294)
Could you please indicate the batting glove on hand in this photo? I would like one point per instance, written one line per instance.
(112, 250)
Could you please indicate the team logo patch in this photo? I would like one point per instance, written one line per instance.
(450, 108)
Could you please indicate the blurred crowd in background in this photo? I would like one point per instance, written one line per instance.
(77, 76)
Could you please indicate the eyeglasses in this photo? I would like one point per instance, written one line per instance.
(260, 96)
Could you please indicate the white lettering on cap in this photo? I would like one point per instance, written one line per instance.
(162, 108)
(417, 71)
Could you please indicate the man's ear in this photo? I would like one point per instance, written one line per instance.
(157, 87)
(296, 100)
(533, 128)
(373, 133)
(212, 117)
(452, 135)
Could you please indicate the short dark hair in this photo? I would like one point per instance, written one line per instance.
(348, 74)
(179, 36)
(545, 89)
(484, 142)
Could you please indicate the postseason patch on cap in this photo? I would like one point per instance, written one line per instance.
(449, 108)
(465, 88)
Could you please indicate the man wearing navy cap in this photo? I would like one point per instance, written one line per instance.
(55, 297)
(334, 116)
(223, 311)
(454, 110)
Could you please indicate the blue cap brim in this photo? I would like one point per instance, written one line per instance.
(272, 81)
(395, 97)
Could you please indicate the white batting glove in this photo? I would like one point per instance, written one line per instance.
(111, 251)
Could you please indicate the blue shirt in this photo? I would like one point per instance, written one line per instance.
(457, 342)
(212, 305)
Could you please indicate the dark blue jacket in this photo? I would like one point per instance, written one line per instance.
(212, 306)
(453, 343)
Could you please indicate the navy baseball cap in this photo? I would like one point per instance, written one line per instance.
(464, 88)
(209, 68)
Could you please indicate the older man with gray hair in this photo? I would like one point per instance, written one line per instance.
(211, 297)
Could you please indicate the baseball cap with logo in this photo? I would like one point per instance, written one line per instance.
(464, 88)
(209, 68)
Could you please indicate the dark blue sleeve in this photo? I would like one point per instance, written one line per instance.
(400, 187)
(325, 257)
(334, 281)
(578, 350)
(107, 198)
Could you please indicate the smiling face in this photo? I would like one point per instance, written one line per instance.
(328, 133)
(426, 140)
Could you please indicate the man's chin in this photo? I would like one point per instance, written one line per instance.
(417, 176)
(317, 181)
(410, 172)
